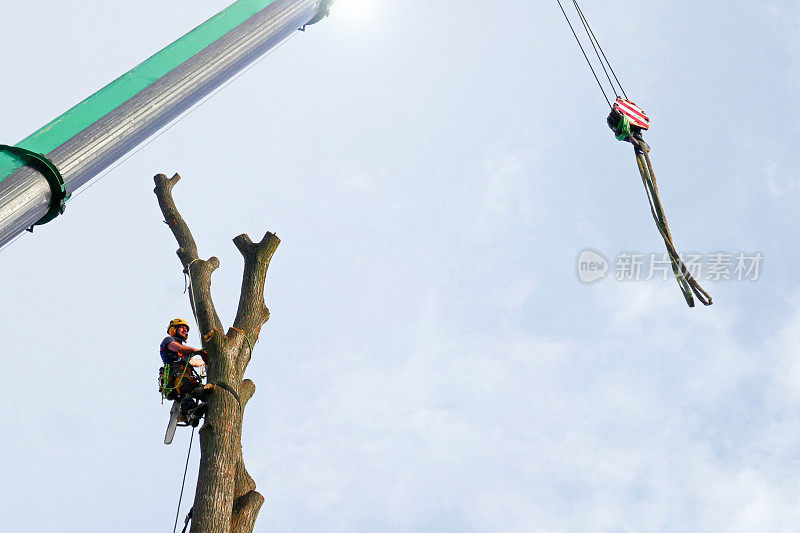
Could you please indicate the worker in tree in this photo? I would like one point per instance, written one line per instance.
(182, 382)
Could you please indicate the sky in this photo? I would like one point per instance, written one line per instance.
(433, 361)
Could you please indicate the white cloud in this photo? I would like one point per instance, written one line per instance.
(640, 430)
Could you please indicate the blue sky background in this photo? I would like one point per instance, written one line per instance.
(432, 362)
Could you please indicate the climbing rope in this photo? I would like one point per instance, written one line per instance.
(190, 285)
(686, 281)
(192, 300)
(186, 520)
(183, 484)
(250, 344)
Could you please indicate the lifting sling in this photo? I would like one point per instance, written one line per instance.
(627, 121)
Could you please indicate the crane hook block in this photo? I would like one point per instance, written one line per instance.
(626, 119)
(633, 112)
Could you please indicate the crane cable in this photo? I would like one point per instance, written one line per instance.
(588, 62)
(596, 46)
(598, 51)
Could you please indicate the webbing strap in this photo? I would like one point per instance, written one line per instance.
(223, 385)
(58, 189)
(623, 129)
(686, 281)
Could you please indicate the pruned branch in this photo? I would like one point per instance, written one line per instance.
(246, 391)
(188, 249)
(199, 271)
(245, 512)
(252, 311)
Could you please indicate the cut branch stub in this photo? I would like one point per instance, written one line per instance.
(246, 391)
(250, 315)
(163, 190)
(245, 511)
(199, 271)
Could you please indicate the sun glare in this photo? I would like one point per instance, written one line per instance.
(354, 11)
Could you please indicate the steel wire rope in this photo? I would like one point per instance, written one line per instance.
(593, 36)
(12, 241)
(596, 46)
(584, 53)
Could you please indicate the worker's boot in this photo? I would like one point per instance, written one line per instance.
(187, 404)
(202, 393)
(196, 414)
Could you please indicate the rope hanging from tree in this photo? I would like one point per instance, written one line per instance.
(183, 483)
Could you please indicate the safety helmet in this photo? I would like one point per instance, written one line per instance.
(172, 329)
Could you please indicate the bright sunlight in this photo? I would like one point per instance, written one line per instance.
(354, 11)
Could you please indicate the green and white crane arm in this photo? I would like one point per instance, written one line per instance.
(38, 173)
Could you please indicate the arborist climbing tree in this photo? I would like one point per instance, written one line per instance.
(628, 121)
(225, 499)
(178, 379)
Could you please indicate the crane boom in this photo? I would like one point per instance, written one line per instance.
(94, 134)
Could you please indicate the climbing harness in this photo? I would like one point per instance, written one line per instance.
(628, 121)
(170, 383)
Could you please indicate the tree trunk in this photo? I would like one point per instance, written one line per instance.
(226, 500)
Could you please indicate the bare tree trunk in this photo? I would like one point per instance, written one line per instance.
(226, 500)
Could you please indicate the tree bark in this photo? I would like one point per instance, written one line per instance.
(226, 500)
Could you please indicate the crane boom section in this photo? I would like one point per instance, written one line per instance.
(126, 86)
(104, 127)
